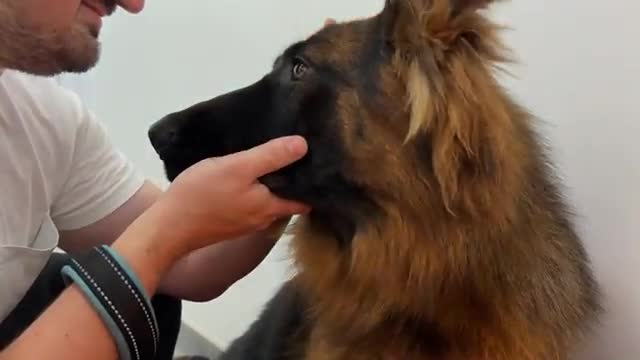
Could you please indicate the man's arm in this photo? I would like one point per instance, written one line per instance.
(103, 194)
(221, 262)
(106, 230)
(191, 215)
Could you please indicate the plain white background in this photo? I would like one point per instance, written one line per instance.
(579, 72)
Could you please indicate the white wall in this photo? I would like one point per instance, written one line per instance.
(580, 70)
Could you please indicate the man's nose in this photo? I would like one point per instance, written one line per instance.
(132, 6)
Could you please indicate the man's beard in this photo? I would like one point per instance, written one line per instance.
(43, 53)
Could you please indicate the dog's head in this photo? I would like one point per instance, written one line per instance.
(392, 106)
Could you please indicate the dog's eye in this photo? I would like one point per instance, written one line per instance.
(299, 69)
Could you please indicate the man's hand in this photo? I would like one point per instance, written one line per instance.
(220, 198)
(239, 210)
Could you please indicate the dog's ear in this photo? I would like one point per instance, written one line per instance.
(469, 4)
(442, 50)
(456, 6)
(409, 24)
(425, 36)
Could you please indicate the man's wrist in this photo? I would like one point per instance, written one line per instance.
(149, 249)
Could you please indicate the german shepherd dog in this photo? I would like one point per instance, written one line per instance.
(438, 229)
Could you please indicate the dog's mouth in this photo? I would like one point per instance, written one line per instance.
(173, 169)
(333, 200)
(176, 162)
(175, 153)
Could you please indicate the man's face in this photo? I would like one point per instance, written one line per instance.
(47, 37)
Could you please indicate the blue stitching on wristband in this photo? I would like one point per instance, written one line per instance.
(132, 275)
(106, 298)
(135, 295)
(69, 274)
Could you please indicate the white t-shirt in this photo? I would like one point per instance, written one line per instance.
(58, 171)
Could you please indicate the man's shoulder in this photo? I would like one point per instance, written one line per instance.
(16, 77)
(28, 83)
(43, 96)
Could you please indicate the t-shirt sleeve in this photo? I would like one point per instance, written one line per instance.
(100, 178)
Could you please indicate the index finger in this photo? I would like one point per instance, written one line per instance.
(270, 156)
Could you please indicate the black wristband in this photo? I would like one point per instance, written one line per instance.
(117, 295)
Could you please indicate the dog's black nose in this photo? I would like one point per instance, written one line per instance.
(162, 135)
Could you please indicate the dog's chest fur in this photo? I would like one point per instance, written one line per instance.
(286, 331)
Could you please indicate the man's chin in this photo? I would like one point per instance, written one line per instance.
(81, 50)
(77, 52)
(46, 52)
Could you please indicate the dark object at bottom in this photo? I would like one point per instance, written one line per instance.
(49, 285)
(268, 338)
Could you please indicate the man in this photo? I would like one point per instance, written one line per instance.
(64, 185)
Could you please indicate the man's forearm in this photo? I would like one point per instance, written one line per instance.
(202, 275)
(207, 273)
